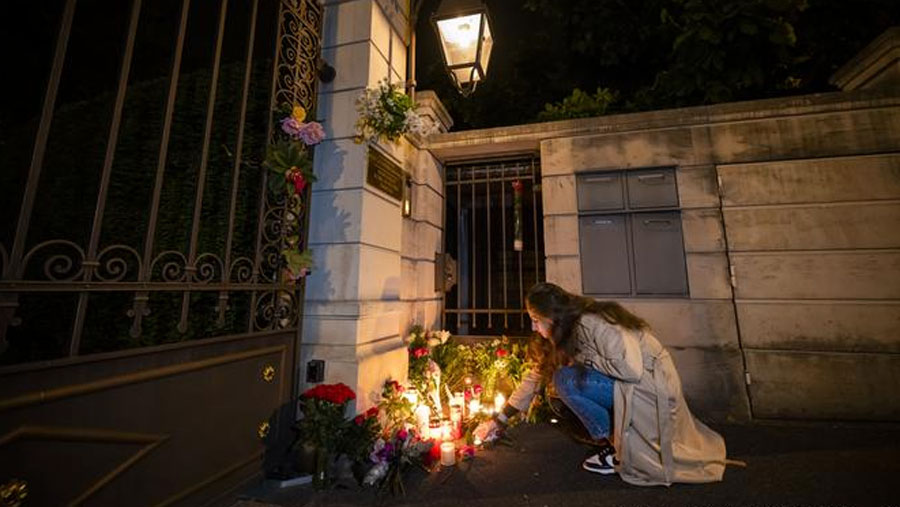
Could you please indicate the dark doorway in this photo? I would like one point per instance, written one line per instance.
(494, 230)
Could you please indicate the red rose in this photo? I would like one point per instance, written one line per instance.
(420, 352)
(295, 177)
(359, 420)
(333, 393)
(517, 186)
(477, 389)
(502, 353)
(372, 412)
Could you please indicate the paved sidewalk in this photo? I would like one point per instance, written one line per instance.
(787, 464)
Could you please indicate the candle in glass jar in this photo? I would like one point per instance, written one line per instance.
(456, 420)
(499, 400)
(434, 430)
(448, 454)
(446, 431)
(423, 417)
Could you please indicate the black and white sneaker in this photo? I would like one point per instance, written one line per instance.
(604, 462)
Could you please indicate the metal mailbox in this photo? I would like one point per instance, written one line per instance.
(653, 188)
(658, 254)
(600, 191)
(604, 254)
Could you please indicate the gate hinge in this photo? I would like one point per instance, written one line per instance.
(732, 277)
(747, 378)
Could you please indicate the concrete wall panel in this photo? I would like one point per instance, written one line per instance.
(824, 326)
(708, 276)
(809, 385)
(814, 227)
(807, 180)
(821, 275)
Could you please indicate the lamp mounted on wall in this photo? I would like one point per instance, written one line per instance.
(464, 31)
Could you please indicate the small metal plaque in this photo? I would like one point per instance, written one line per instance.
(383, 174)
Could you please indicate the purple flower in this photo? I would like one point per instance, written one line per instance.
(311, 133)
(291, 126)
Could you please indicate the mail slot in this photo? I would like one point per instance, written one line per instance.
(600, 191)
(604, 254)
(652, 188)
(658, 254)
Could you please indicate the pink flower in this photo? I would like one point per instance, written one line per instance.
(402, 434)
(477, 389)
(419, 352)
(291, 126)
(517, 186)
(311, 133)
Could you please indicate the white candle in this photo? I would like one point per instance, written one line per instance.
(446, 431)
(411, 395)
(499, 400)
(423, 418)
(448, 454)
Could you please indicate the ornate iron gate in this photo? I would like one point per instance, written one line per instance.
(495, 232)
(147, 338)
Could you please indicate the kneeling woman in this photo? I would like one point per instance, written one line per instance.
(608, 368)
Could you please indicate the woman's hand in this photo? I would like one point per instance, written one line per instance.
(487, 431)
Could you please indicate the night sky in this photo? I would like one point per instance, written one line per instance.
(541, 56)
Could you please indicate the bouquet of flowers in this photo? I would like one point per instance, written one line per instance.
(398, 447)
(323, 423)
(424, 371)
(393, 454)
(290, 160)
(387, 113)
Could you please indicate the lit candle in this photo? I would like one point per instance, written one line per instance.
(434, 429)
(412, 396)
(446, 431)
(499, 400)
(448, 454)
(423, 417)
(456, 420)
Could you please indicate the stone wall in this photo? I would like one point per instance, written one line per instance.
(798, 199)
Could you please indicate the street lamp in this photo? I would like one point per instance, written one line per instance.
(464, 30)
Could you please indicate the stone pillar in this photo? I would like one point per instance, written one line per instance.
(352, 307)
(423, 231)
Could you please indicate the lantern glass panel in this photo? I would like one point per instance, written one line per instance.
(459, 38)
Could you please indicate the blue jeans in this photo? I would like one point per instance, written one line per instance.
(590, 398)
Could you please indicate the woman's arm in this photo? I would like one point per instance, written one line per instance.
(521, 398)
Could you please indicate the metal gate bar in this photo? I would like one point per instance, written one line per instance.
(476, 250)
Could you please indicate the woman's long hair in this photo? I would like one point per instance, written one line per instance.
(564, 311)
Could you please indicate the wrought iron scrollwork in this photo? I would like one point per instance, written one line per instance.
(65, 266)
(284, 217)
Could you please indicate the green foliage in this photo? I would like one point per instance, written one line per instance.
(283, 156)
(579, 105)
(397, 411)
(359, 436)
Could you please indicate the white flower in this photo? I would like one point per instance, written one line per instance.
(376, 473)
